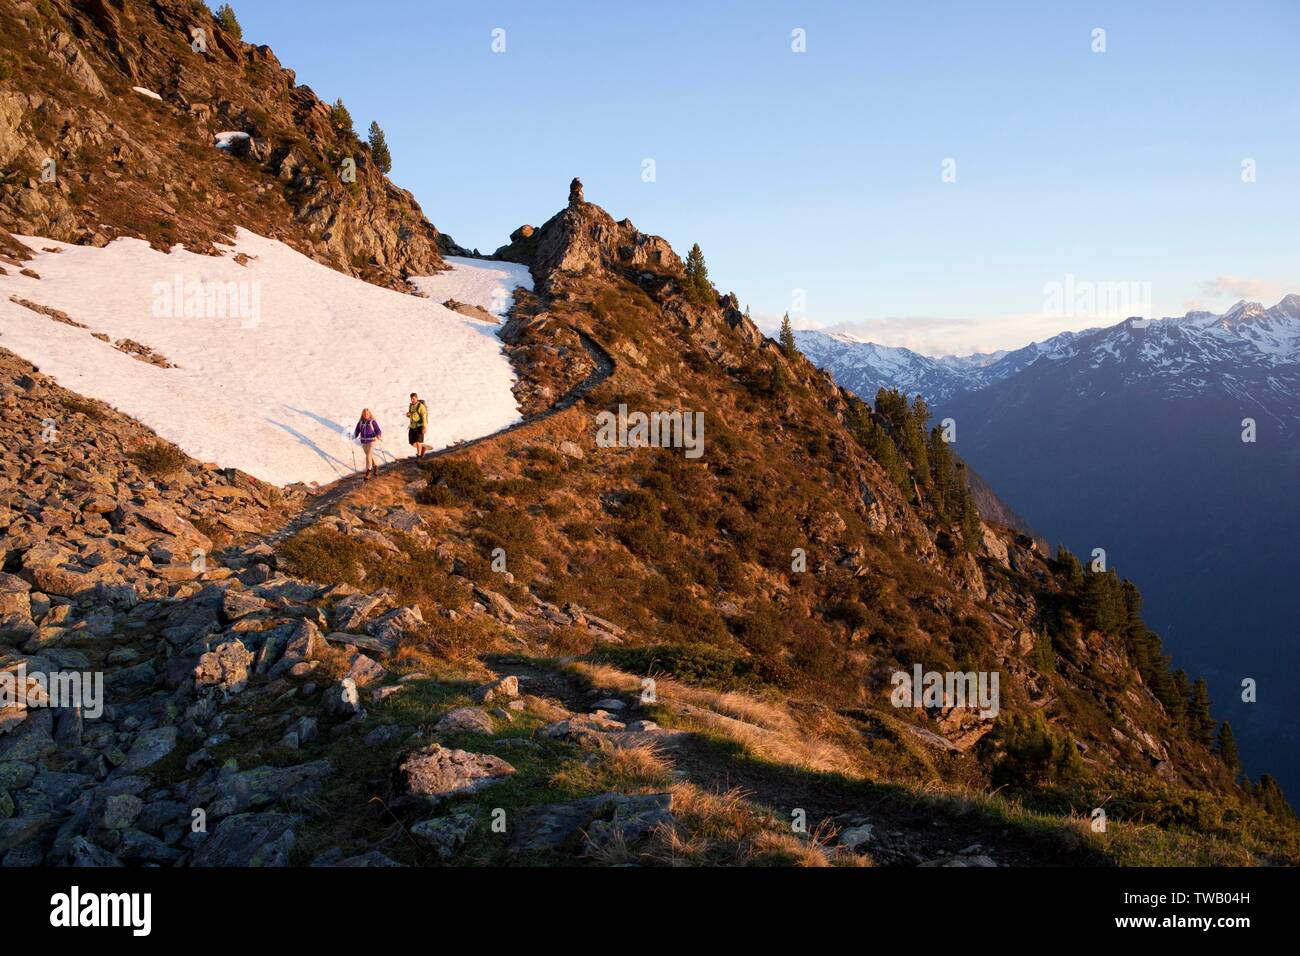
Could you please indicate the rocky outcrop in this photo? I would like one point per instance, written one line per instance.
(583, 237)
(90, 158)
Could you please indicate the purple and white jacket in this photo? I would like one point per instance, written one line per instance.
(367, 431)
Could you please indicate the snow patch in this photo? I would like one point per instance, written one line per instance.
(275, 357)
(229, 138)
(146, 92)
(489, 285)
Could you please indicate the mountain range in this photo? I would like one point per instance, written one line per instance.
(1172, 445)
(1245, 349)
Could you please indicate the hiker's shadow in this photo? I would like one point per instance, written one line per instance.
(337, 427)
(338, 465)
(343, 431)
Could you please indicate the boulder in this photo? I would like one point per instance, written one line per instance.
(343, 701)
(225, 668)
(854, 837)
(497, 604)
(464, 720)
(305, 643)
(351, 612)
(238, 604)
(370, 858)
(433, 773)
(249, 839)
(506, 687)
(444, 835)
(591, 822)
(120, 811)
(375, 646)
(364, 670)
(84, 853)
(259, 788)
(396, 624)
(149, 747)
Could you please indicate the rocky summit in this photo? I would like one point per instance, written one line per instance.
(819, 641)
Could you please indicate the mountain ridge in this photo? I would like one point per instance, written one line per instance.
(1247, 332)
(594, 645)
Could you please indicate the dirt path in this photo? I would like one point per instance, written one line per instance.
(329, 495)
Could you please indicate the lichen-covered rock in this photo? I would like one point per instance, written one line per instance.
(224, 668)
(434, 773)
(249, 839)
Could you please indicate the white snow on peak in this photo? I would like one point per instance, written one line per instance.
(1247, 335)
(274, 381)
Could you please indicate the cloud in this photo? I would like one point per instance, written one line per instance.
(770, 322)
(1236, 287)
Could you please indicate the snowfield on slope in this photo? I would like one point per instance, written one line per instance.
(274, 355)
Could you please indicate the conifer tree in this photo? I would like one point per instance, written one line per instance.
(698, 287)
(229, 24)
(971, 532)
(1227, 748)
(379, 149)
(1101, 604)
(1183, 689)
(1200, 723)
(341, 117)
(788, 345)
(945, 494)
(871, 436)
(1068, 566)
(1270, 796)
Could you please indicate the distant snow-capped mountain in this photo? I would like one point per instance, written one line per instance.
(1171, 444)
(1245, 344)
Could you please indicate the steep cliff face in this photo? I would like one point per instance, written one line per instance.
(144, 118)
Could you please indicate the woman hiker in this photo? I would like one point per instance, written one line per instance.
(418, 421)
(369, 432)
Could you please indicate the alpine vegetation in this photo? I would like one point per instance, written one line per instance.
(675, 429)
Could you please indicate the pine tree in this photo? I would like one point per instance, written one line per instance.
(1270, 796)
(1200, 723)
(698, 287)
(229, 24)
(1183, 690)
(945, 494)
(1227, 748)
(972, 532)
(341, 118)
(788, 345)
(1101, 604)
(877, 443)
(1032, 753)
(1069, 568)
(379, 149)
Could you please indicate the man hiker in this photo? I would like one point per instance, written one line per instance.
(418, 415)
(368, 432)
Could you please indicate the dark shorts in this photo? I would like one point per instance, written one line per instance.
(415, 436)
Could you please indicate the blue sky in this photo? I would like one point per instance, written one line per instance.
(822, 171)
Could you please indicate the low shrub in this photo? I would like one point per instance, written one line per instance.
(159, 458)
